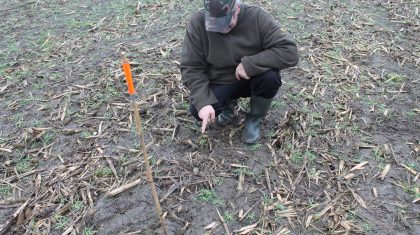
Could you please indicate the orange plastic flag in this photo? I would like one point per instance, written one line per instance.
(128, 77)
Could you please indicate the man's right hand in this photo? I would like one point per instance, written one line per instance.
(240, 72)
(208, 115)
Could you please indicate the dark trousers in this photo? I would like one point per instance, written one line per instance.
(265, 85)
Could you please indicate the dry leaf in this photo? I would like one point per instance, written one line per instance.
(345, 225)
(418, 198)
(341, 166)
(283, 231)
(240, 182)
(409, 169)
(385, 171)
(241, 214)
(238, 166)
(3, 88)
(252, 189)
(37, 184)
(212, 225)
(308, 220)
(247, 231)
(359, 166)
(252, 226)
(375, 192)
(416, 178)
(359, 199)
(349, 176)
(28, 213)
(20, 219)
(320, 214)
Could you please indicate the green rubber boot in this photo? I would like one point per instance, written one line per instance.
(226, 117)
(259, 108)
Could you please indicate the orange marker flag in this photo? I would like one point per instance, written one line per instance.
(131, 91)
(128, 76)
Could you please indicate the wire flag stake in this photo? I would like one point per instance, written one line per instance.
(131, 91)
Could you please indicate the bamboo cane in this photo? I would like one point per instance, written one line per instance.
(131, 91)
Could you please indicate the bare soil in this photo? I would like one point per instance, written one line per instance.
(339, 152)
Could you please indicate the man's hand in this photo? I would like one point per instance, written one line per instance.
(240, 72)
(207, 114)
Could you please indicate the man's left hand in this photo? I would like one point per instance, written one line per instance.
(240, 72)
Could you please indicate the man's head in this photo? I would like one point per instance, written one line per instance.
(221, 15)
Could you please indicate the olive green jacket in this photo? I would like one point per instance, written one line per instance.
(210, 57)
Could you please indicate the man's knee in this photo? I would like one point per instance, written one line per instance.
(266, 84)
(270, 78)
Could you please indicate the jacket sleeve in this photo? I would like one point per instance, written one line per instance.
(279, 50)
(194, 69)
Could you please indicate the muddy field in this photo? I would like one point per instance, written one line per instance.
(340, 152)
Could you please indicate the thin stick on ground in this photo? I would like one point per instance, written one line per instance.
(224, 223)
(123, 188)
(143, 145)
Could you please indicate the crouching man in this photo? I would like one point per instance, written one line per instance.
(234, 50)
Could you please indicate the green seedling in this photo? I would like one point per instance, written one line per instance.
(103, 171)
(228, 217)
(88, 231)
(337, 53)
(279, 207)
(244, 104)
(255, 146)
(38, 86)
(5, 191)
(85, 134)
(152, 160)
(271, 134)
(28, 100)
(165, 53)
(411, 114)
(13, 48)
(251, 217)
(367, 227)
(48, 137)
(77, 24)
(218, 181)
(411, 189)
(275, 104)
(267, 200)
(77, 206)
(38, 123)
(355, 129)
(245, 171)
(63, 200)
(184, 106)
(24, 165)
(395, 78)
(412, 165)
(311, 203)
(207, 195)
(300, 97)
(381, 166)
(60, 221)
(316, 123)
(310, 156)
(296, 156)
(379, 154)
(313, 172)
(351, 215)
(203, 141)
(125, 158)
(327, 67)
